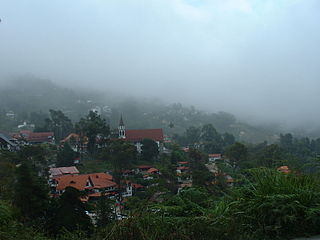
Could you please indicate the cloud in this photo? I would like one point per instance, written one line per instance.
(191, 12)
(240, 5)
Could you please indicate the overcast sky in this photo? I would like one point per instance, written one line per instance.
(254, 58)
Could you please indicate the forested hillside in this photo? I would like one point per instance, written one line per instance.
(30, 100)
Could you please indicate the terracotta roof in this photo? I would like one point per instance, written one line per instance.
(137, 185)
(63, 170)
(77, 181)
(97, 180)
(183, 163)
(185, 185)
(152, 170)
(139, 135)
(71, 136)
(216, 155)
(98, 194)
(284, 169)
(40, 137)
(144, 166)
(101, 180)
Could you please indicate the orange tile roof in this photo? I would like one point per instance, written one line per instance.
(183, 162)
(284, 169)
(97, 180)
(101, 180)
(152, 170)
(77, 181)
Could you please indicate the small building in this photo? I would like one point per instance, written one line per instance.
(183, 164)
(35, 137)
(153, 171)
(214, 157)
(284, 169)
(7, 143)
(143, 168)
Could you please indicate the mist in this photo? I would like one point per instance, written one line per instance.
(256, 59)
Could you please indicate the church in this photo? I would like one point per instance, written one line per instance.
(136, 136)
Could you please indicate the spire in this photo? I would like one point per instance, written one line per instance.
(122, 128)
(121, 121)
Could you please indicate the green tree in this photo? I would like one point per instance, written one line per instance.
(228, 139)
(177, 156)
(58, 123)
(209, 133)
(71, 213)
(212, 141)
(200, 174)
(193, 135)
(286, 141)
(7, 178)
(93, 127)
(237, 154)
(271, 156)
(104, 211)
(122, 155)
(30, 194)
(66, 156)
(150, 150)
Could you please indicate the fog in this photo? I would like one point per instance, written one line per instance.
(256, 59)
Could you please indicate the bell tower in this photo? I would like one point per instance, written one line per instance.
(122, 129)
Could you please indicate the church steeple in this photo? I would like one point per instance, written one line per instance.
(122, 128)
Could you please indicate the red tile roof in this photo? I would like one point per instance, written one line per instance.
(101, 180)
(137, 185)
(97, 180)
(216, 155)
(40, 137)
(183, 163)
(77, 181)
(153, 170)
(284, 169)
(144, 166)
(139, 135)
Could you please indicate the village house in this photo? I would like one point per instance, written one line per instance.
(7, 143)
(284, 169)
(30, 137)
(136, 136)
(183, 174)
(93, 184)
(142, 169)
(214, 157)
